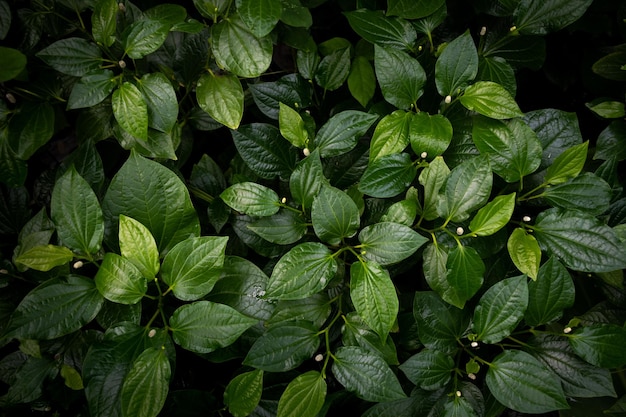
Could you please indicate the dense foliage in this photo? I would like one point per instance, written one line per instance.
(312, 208)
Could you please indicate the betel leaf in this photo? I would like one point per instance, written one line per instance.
(221, 96)
(335, 215)
(138, 246)
(579, 240)
(44, 257)
(91, 89)
(524, 252)
(412, 9)
(144, 37)
(251, 198)
(500, 309)
(119, 280)
(193, 266)
(548, 295)
(388, 176)
(31, 128)
(243, 393)
(204, 326)
(435, 258)
(333, 69)
(513, 148)
(382, 30)
(291, 89)
(466, 189)
(534, 18)
(12, 63)
(130, 110)
(464, 275)
(600, 344)
(519, 381)
(306, 179)
(260, 16)
(15, 170)
(315, 309)
(366, 374)
(304, 396)
(586, 192)
(28, 380)
(457, 65)
(387, 243)
(439, 324)
(490, 99)
(374, 296)
(76, 213)
(430, 133)
(104, 21)
(493, 216)
(303, 271)
(292, 126)
(356, 333)
(498, 70)
(296, 15)
(283, 228)
(611, 141)
(72, 56)
(145, 387)
(400, 76)
(432, 178)
(429, 369)
(391, 134)
(402, 212)
(284, 346)
(167, 13)
(361, 80)
(556, 130)
(5, 19)
(237, 50)
(55, 308)
(154, 196)
(567, 165)
(342, 131)
(161, 100)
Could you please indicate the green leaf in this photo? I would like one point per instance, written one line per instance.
(333, 69)
(154, 196)
(144, 37)
(303, 271)
(556, 130)
(498, 70)
(161, 100)
(12, 63)
(5, 19)
(366, 374)
(130, 110)
(610, 143)
(14, 170)
(432, 178)
(388, 243)
(295, 15)
(238, 51)
(586, 192)
(292, 126)
(466, 189)
(104, 21)
(551, 293)
(243, 393)
(145, 388)
(600, 344)
(158, 145)
(357, 333)
(608, 109)
(500, 309)
(167, 13)
(402, 212)
(342, 131)
(382, 30)
(119, 280)
(490, 99)
(400, 76)
(304, 396)
(221, 96)
(251, 198)
(72, 56)
(430, 134)
(493, 216)
(429, 369)
(138, 246)
(55, 308)
(465, 272)
(362, 80)
(31, 128)
(524, 252)
(44, 257)
(439, 324)
(580, 241)
(457, 65)
(71, 377)
(391, 134)
(567, 165)
(260, 16)
(290, 89)
(513, 148)
(211, 8)
(283, 228)
(284, 346)
(334, 214)
(306, 180)
(91, 89)
(542, 18)
(374, 296)
(519, 381)
(413, 9)
(193, 266)
(29, 380)
(203, 326)
(388, 176)
(315, 309)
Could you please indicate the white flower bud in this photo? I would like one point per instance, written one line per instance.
(78, 264)
(306, 151)
(4, 271)
(526, 219)
(319, 357)
(122, 63)
(458, 393)
(474, 344)
(448, 100)
(459, 231)
(121, 7)
(513, 28)
(567, 330)
(284, 200)
(472, 376)
(423, 155)
(10, 98)
(151, 333)
(483, 31)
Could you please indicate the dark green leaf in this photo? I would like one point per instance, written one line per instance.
(400, 76)
(499, 71)
(14, 170)
(161, 100)
(411, 9)
(457, 65)
(551, 293)
(357, 333)
(251, 198)
(260, 16)
(158, 145)
(221, 96)
(524, 252)
(333, 69)
(586, 192)
(5, 19)
(556, 130)
(334, 214)
(493, 216)
(91, 90)
(130, 110)
(138, 246)
(306, 180)
(12, 63)
(119, 280)
(600, 345)
(29, 381)
(430, 134)
(72, 56)
(464, 275)
(429, 369)
(388, 176)
(382, 30)
(391, 134)
(490, 99)
(542, 18)
(145, 388)
(166, 13)
(104, 21)
(439, 324)
(144, 37)
(291, 90)
(612, 142)
(402, 212)
(243, 393)
(31, 128)
(283, 228)
(361, 80)
(315, 309)
(304, 396)
(387, 243)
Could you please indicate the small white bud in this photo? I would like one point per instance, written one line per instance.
(363, 252)
(567, 330)
(459, 231)
(78, 264)
(448, 100)
(10, 98)
(472, 376)
(151, 333)
(483, 30)
(4, 271)
(306, 151)
(526, 219)
(420, 48)
(319, 357)
(122, 63)
(474, 344)
(121, 7)
(284, 200)
(458, 393)
(423, 155)
(513, 28)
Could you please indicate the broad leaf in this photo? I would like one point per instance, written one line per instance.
(600, 345)
(204, 326)
(430, 134)
(138, 246)
(356, 333)
(382, 30)
(119, 280)
(439, 324)
(490, 99)
(306, 180)
(130, 110)
(260, 16)
(388, 176)
(334, 214)
(413, 9)
(161, 100)
(12, 63)
(221, 96)
(361, 80)
(464, 275)
(391, 134)
(72, 56)
(251, 198)
(524, 252)
(144, 37)
(551, 293)
(567, 165)
(333, 70)
(31, 128)
(292, 126)
(542, 18)
(91, 89)
(498, 70)
(304, 396)
(145, 388)
(387, 243)
(493, 216)
(400, 76)
(610, 143)
(457, 65)
(283, 228)
(429, 369)
(432, 178)
(291, 89)
(43, 257)
(556, 130)
(104, 21)
(28, 380)
(243, 393)
(342, 131)
(586, 192)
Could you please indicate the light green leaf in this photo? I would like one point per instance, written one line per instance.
(457, 65)
(382, 30)
(72, 56)
(119, 280)
(400, 76)
(535, 18)
(374, 296)
(366, 374)
(391, 134)
(402, 212)
(203, 326)
(567, 165)
(333, 69)
(161, 100)
(91, 89)
(493, 216)
(260, 16)
(306, 180)
(12, 63)
(387, 243)
(144, 37)
(548, 295)
(413, 9)
(251, 198)
(490, 99)
(334, 214)
(465, 272)
(524, 252)
(104, 21)
(304, 396)
(44, 257)
(145, 387)
(221, 96)
(193, 266)
(586, 192)
(608, 109)
(432, 178)
(430, 134)
(362, 80)
(71, 377)
(519, 381)
(130, 110)
(292, 126)
(600, 344)
(138, 246)
(429, 369)
(243, 393)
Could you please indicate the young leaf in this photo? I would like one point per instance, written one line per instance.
(334, 214)
(144, 37)
(145, 388)
(500, 309)
(193, 266)
(304, 396)
(284, 346)
(303, 271)
(490, 99)
(292, 126)
(161, 100)
(130, 110)
(519, 381)
(306, 180)
(72, 56)
(387, 243)
(465, 272)
(382, 30)
(542, 18)
(391, 134)
(524, 252)
(374, 296)
(567, 165)
(432, 178)
(251, 198)
(260, 16)
(402, 212)
(91, 89)
(221, 96)
(388, 176)
(12, 63)
(104, 21)
(548, 295)
(361, 80)
(243, 393)
(400, 76)
(203, 326)
(430, 134)
(586, 192)
(138, 246)
(342, 131)
(119, 280)
(44, 257)
(457, 65)
(600, 345)
(429, 369)
(493, 216)
(366, 374)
